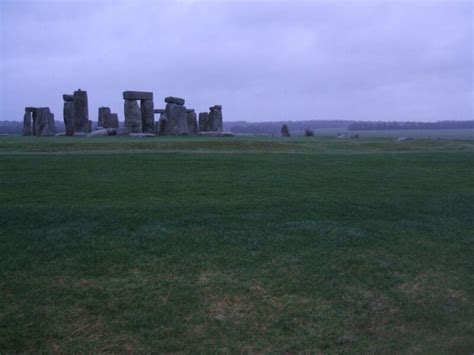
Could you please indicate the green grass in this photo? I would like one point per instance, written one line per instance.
(236, 244)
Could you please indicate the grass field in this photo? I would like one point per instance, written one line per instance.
(236, 244)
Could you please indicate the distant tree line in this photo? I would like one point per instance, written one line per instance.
(380, 125)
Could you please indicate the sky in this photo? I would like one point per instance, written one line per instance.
(261, 60)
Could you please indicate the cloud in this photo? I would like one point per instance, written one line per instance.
(262, 60)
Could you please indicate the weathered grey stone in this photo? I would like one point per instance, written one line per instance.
(79, 134)
(203, 120)
(30, 109)
(189, 110)
(103, 132)
(148, 117)
(285, 131)
(67, 97)
(177, 121)
(192, 122)
(113, 121)
(137, 95)
(215, 119)
(162, 123)
(27, 124)
(122, 131)
(141, 135)
(174, 100)
(44, 122)
(89, 126)
(68, 116)
(133, 117)
(158, 110)
(81, 111)
(103, 119)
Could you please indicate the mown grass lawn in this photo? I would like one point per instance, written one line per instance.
(238, 244)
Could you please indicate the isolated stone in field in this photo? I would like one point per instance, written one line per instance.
(192, 121)
(133, 117)
(215, 118)
(81, 111)
(27, 123)
(68, 116)
(103, 120)
(174, 100)
(203, 119)
(148, 116)
(285, 131)
(137, 95)
(308, 132)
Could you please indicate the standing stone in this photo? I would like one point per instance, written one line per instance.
(162, 123)
(285, 131)
(68, 116)
(113, 121)
(133, 117)
(177, 121)
(44, 122)
(89, 126)
(148, 116)
(81, 111)
(103, 120)
(27, 124)
(203, 119)
(192, 122)
(215, 118)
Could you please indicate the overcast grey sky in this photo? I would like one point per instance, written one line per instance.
(262, 60)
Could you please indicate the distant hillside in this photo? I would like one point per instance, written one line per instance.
(380, 125)
(273, 128)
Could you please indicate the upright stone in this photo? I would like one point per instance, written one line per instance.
(203, 118)
(81, 111)
(285, 131)
(113, 121)
(103, 120)
(148, 116)
(133, 117)
(44, 122)
(192, 122)
(27, 124)
(68, 116)
(215, 118)
(177, 121)
(162, 123)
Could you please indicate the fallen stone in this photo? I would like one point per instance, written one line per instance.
(402, 139)
(174, 100)
(122, 131)
(60, 134)
(79, 134)
(102, 132)
(137, 95)
(133, 117)
(67, 97)
(141, 135)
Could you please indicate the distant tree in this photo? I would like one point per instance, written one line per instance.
(285, 131)
(308, 132)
